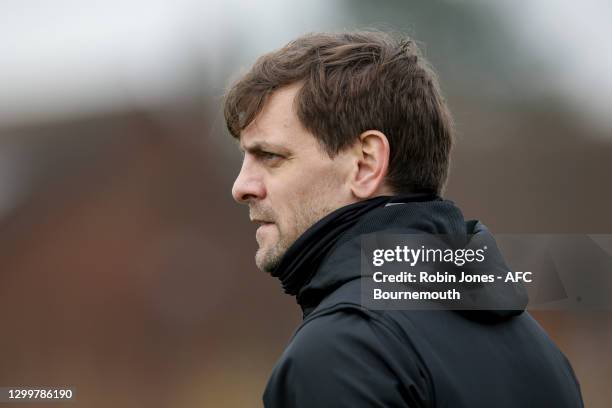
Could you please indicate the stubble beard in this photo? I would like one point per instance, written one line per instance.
(268, 259)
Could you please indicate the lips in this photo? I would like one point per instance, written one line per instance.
(262, 229)
(261, 222)
(264, 224)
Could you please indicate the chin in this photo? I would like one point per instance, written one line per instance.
(264, 264)
(268, 258)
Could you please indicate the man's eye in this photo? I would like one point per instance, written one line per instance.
(269, 156)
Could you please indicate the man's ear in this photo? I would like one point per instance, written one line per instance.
(371, 165)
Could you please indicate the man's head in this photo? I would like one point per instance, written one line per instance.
(331, 119)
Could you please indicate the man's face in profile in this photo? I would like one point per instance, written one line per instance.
(287, 179)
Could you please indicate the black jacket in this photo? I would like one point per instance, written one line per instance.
(343, 355)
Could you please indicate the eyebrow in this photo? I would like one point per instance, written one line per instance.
(262, 146)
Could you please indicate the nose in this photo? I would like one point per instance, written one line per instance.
(248, 185)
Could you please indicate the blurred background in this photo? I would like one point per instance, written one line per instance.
(126, 270)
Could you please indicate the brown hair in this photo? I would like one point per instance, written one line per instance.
(353, 82)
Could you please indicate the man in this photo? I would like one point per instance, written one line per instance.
(344, 135)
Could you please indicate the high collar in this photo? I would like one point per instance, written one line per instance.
(329, 255)
(408, 214)
(306, 255)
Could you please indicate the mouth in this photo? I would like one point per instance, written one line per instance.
(263, 229)
(262, 223)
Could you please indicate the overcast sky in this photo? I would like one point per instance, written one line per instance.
(65, 57)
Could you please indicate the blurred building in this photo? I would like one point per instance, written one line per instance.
(126, 270)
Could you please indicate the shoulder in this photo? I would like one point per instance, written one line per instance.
(347, 352)
(346, 330)
(336, 325)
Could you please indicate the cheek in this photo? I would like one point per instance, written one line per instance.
(324, 187)
(288, 204)
(287, 201)
(304, 194)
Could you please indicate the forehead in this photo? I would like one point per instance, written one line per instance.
(277, 123)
